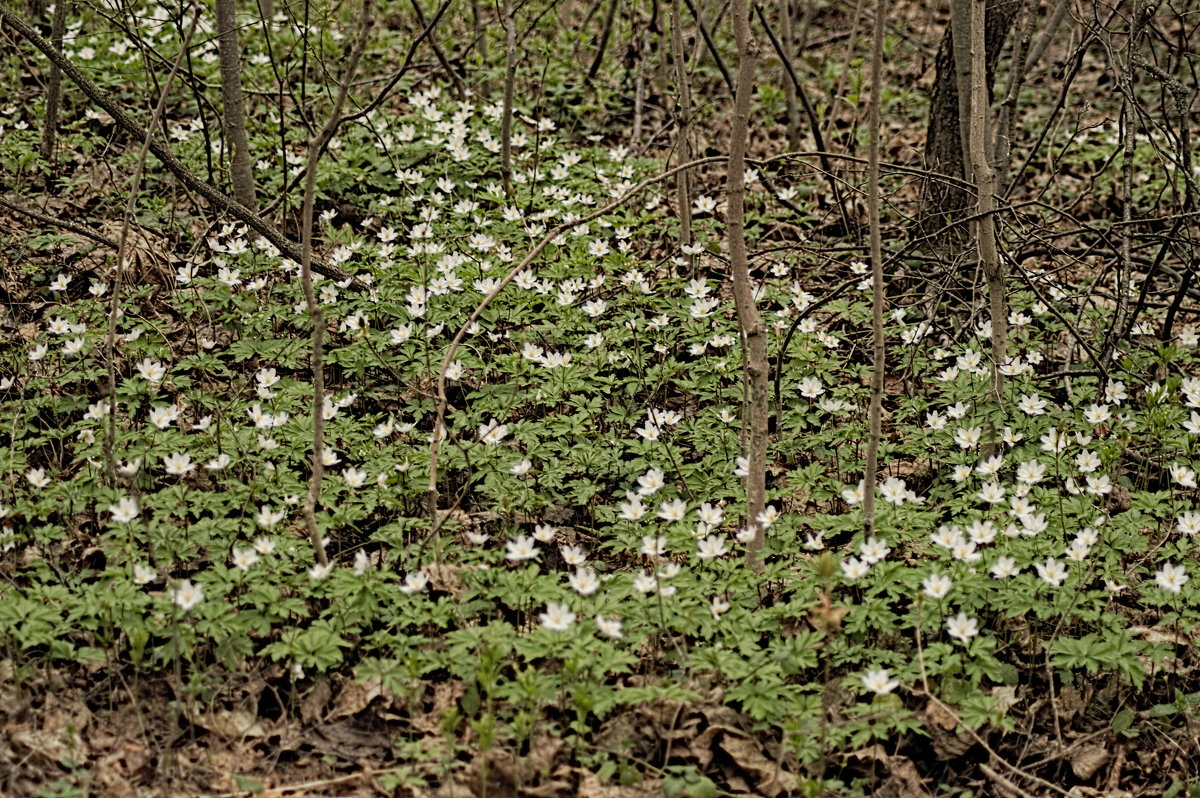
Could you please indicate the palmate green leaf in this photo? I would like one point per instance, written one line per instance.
(317, 647)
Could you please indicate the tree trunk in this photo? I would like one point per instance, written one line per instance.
(234, 111)
(750, 323)
(944, 139)
(53, 94)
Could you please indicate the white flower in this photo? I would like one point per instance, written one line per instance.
(414, 582)
(267, 517)
(1185, 476)
(186, 595)
(936, 586)
(557, 617)
(710, 514)
(894, 491)
(584, 581)
(853, 568)
(769, 515)
(320, 572)
(178, 464)
(573, 555)
(124, 510)
(218, 463)
(37, 477)
(354, 477)
(243, 559)
(650, 482)
(644, 582)
(523, 548)
(962, 627)
(879, 681)
(1192, 425)
(1171, 578)
(968, 437)
(1031, 472)
(1052, 572)
(492, 432)
(654, 545)
(1032, 405)
(264, 545)
(1188, 524)
(712, 546)
(544, 533)
(143, 574)
(810, 387)
(873, 550)
(151, 370)
(1004, 567)
(992, 493)
(609, 627)
(633, 509)
(990, 466)
(163, 416)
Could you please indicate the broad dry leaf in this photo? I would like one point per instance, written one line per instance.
(1088, 760)
(233, 724)
(355, 696)
(769, 776)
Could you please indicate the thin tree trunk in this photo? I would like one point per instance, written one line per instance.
(878, 295)
(479, 33)
(510, 69)
(985, 187)
(1001, 144)
(53, 93)
(315, 147)
(754, 332)
(233, 105)
(683, 119)
(788, 35)
(602, 46)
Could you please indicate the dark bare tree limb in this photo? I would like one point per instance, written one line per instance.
(55, 221)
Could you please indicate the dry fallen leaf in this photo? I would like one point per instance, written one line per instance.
(232, 724)
(355, 696)
(1086, 761)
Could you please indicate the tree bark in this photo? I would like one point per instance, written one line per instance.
(985, 189)
(53, 93)
(750, 323)
(944, 150)
(233, 111)
(683, 132)
(878, 289)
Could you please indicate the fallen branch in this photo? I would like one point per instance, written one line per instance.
(51, 221)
